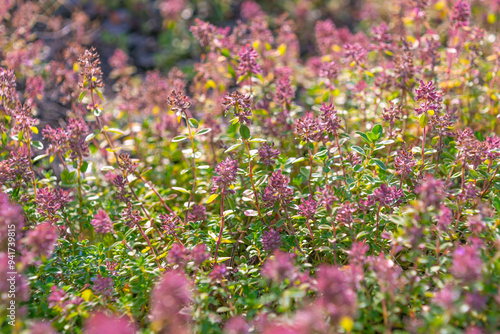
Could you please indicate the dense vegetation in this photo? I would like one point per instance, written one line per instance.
(286, 177)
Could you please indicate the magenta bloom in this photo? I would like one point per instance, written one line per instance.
(271, 240)
(102, 223)
(101, 323)
(248, 61)
(226, 171)
(308, 207)
(42, 240)
(277, 189)
(467, 264)
(337, 297)
(267, 153)
(170, 296)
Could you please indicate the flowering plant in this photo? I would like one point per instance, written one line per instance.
(273, 185)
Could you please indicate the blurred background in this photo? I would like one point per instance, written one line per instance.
(155, 33)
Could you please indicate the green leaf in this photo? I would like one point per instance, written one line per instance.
(226, 53)
(90, 137)
(82, 95)
(244, 131)
(358, 149)
(115, 130)
(231, 71)
(378, 131)
(182, 190)
(211, 198)
(496, 203)
(179, 138)
(257, 140)
(364, 136)
(422, 120)
(193, 122)
(39, 157)
(379, 163)
(85, 166)
(321, 153)
(233, 147)
(203, 131)
(36, 144)
(100, 94)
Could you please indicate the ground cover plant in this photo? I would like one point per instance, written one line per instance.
(289, 175)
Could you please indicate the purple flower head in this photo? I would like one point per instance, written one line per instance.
(119, 59)
(35, 87)
(357, 253)
(57, 138)
(392, 113)
(90, 70)
(104, 286)
(10, 215)
(178, 101)
(469, 148)
(240, 104)
(267, 153)
(77, 131)
(344, 214)
(336, 295)
(101, 323)
(42, 240)
(354, 158)
(277, 190)
(197, 213)
(102, 223)
(199, 254)
(493, 147)
(387, 273)
(226, 174)
(250, 10)
(203, 31)
(8, 85)
(236, 325)
(284, 90)
(169, 297)
(431, 191)
(446, 297)
(308, 128)
(325, 36)
(126, 164)
(329, 118)
(467, 264)
(271, 240)
(51, 201)
(476, 301)
(329, 70)
(248, 61)
(366, 204)
(178, 254)
(404, 163)
(444, 218)
(461, 13)
(218, 273)
(388, 196)
(382, 39)
(326, 197)
(279, 267)
(308, 207)
(355, 53)
(169, 223)
(432, 98)
(57, 297)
